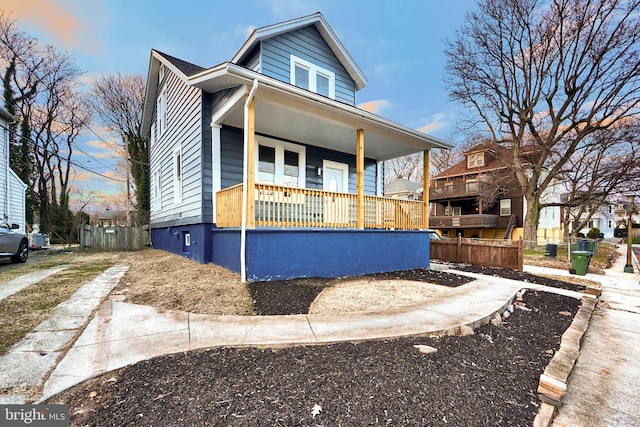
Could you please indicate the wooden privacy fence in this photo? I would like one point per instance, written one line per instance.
(504, 254)
(114, 239)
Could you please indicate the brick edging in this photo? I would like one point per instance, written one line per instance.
(553, 382)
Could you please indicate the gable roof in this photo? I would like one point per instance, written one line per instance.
(402, 184)
(186, 68)
(327, 33)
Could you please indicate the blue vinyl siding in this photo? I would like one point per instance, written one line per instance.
(231, 153)
(308, 44)
(231, 156)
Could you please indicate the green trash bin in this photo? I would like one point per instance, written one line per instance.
(580, 261)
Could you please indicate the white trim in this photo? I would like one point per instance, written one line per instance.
(156, 189)
(231, 74)
(506, 206)
(178, 177)
(314, 70)
(223, 111)
(380, 179)
(280, 147)
(325, 30)
(344, 167)
(216, 173)
(161, 112)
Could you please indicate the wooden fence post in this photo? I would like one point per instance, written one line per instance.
(520, 255)
(459, 247)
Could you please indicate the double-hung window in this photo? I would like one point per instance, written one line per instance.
(161, 112)
(280, 163)
(156, 190)
(309, 76)
(177, 176)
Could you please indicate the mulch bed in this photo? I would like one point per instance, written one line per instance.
(281, 297)
(489, 378)
(520, 276)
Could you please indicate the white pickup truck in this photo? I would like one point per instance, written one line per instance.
(13, 242)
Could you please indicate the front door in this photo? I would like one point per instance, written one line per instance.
(335, 178)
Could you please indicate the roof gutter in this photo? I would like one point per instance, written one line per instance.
(245, 164)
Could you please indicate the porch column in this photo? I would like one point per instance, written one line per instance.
(425, 189)
(216, 179)
(360, 177)
(251, 165)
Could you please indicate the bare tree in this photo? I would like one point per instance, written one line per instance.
(118, 101)
(540, 75)
(20, 59)
(610, 168)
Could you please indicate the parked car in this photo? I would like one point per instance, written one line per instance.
(433, 235)
(13, 243)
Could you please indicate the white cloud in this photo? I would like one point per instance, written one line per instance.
(375, 106)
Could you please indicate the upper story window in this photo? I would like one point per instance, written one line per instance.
(311, 77)
(161, 73)
(475, 160)
(161, 112)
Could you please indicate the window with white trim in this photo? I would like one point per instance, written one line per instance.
(156, 190)
(475, 160)
(505, 207)
(161, 71)
(312, 77)
(177, 175)
(161, 112)
(281, 163)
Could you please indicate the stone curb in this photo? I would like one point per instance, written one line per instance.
(553, 382)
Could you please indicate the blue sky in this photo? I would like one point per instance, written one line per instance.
(397, 44)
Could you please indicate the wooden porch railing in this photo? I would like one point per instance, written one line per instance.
(278, 206)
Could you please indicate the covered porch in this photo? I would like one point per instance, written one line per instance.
(267, 227)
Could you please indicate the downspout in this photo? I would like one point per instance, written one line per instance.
(245, 165)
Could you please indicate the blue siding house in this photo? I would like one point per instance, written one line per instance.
(265, 165)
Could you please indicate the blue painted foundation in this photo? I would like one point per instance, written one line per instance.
(174, 239)
(274, 254)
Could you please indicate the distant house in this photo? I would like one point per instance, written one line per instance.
(110, 218)
(478, 197)
(12, 189)
(403, 189)
(266, 166)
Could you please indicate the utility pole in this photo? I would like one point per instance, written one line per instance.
(127, 167)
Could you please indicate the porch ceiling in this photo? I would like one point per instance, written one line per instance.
(287, 112)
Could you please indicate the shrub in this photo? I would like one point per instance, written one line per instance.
(594, 233)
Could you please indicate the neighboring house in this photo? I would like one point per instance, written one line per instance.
(264, 164)
(12, 189)
(603, 219)
(403, 189)
(479, 198)
(111, 218)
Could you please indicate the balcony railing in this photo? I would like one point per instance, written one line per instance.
(458, 190)
(278, 206)
(464, 221)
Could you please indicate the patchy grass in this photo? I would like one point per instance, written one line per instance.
(603, 258)
(21, 312)
(170, 282)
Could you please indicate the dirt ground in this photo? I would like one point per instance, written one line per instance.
(488, 378)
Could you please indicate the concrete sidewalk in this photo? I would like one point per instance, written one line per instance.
(604, 385)
(120, 334)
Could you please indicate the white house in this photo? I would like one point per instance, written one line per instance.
(12, 189)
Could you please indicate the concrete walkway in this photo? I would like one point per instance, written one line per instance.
(21, 282)
(28, 362)
(120, 334)
(604, 386)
